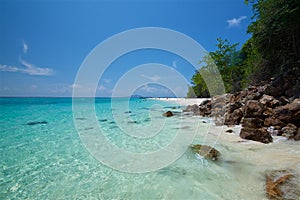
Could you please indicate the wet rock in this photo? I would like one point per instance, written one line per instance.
(256, 134)
(282, 185)
(81, 118)
(35, 123)
(290, 130)
(192, 108)
(272, 130)
(133, 122)
(206, 151)
(168, 114)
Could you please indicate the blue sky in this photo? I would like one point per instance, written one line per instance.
(43, 43)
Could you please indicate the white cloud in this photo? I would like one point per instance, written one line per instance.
(154, 90)
(152, 78)
(29, 69)
(148, 89)
(235, 21)
(25, 47)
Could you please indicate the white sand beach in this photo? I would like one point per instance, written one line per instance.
(183, 101)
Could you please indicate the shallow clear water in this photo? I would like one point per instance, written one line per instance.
(49, 161)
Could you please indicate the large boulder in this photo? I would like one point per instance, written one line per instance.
(206, 151)
(252, 122)
(289, 113)
(256, 134)
(205, 108)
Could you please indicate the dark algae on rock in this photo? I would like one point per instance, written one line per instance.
(282, 185)
(206, 151)
(36, 123)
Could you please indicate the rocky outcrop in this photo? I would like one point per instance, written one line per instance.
(287, 84)
(290, 130)
(206, 151)
(234, 117)
(256, 134)
(289, 112)
(192, 108)
(260, 113)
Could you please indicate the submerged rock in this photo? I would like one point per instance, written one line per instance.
(35, 123)
(229, 131)
(282, 185)
(206, 151)
(168, 114)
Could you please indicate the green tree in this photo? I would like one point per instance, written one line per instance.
(275, 42)
(226, 61)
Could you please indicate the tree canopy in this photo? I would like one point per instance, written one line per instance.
(273, 48)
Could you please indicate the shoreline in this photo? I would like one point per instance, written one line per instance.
(183, 101)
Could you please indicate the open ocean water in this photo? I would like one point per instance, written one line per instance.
(43, 157)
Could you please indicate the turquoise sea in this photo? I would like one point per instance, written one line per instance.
(43, 156)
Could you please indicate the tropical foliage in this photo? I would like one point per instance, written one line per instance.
(273, 48)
